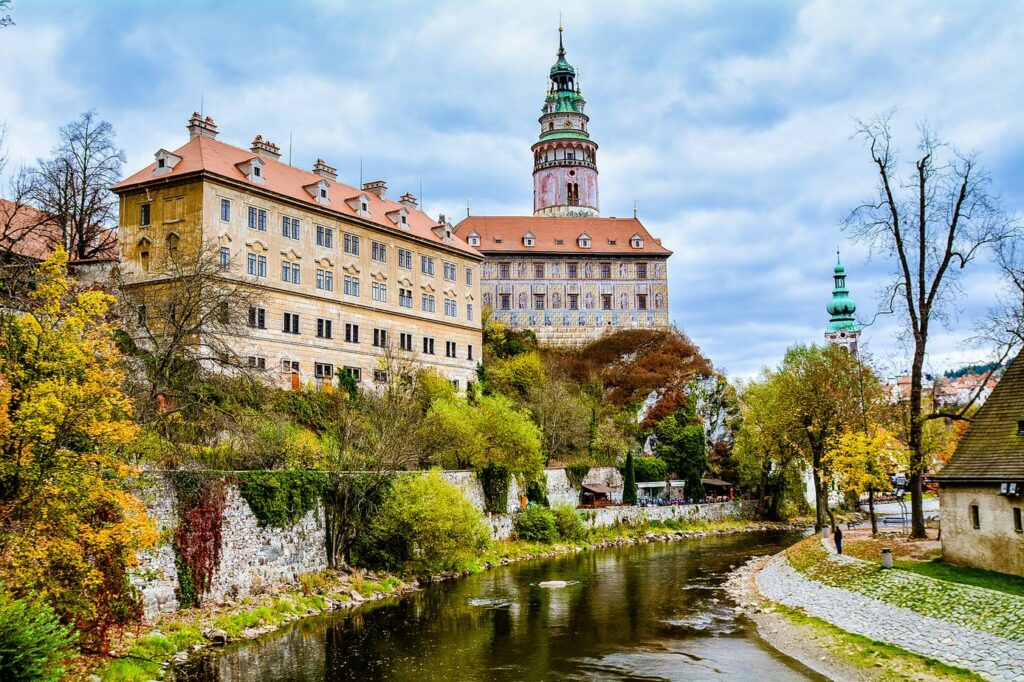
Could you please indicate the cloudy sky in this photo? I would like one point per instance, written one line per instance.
(730, 123)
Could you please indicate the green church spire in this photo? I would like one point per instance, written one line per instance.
(841, 307)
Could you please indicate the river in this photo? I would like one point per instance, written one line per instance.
(644, 612)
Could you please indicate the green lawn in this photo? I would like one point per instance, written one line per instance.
(1001, 582)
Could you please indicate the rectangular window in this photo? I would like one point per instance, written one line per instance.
(504, 270)
(257, 362)
(355, 373)
(469, 277)
(1020, 427)
(451, 307)
(291, 323)
(256, 265)
(538, 271)
(641, 270)
(290, 272)
(351, 333)
(145, 214)
(380, 292)
(257, 317)
(606, 270)
(380, 376)
(469, 312)
(144, 260)
(351, 244)
(405, 297)
(572, 270)
(428, 345)
(288, 366)
(641, 301)
(538, 301)
(449, 349)
(506, 301)
(324, 328)
(289, 227)
(1017, 524)
(380, 337)
(351, 286)
(324, 280)
(606, 301)
(427, 302)
(469, 352)
(379, 252)
(323, 370)
(325, 237)
(225, 209)
(574, 301)
(261, 221)
(405, 259)
(252, 217)
(405, 341)
(225, 258)
(975, 517)
(426, 265)
(449, 271)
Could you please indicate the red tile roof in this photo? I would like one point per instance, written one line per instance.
(219, 158)
(548, 232)
(28, 232)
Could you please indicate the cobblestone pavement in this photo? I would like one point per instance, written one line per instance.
(989, 655)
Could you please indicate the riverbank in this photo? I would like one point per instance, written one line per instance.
(146, 652)
(894, 619)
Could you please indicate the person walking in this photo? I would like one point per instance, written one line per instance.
(838, 538)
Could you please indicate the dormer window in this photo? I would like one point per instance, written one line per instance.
(165, 162)
(320, 191)
(253, 170)
(529, 239)
(257, 171)
(584, 241)
(323, 192)
(636, 241)
(474, 238)
(399, 218)
(360, 204)
(161, 163)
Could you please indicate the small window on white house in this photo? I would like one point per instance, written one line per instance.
(975, 517)
(1018, 524)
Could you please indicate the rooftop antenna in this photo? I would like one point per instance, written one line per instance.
(423, 206)
(200, 105)
(469, 200)
(360, 172)
(636, 206)
(289, 147)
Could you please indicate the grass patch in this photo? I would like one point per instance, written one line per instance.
(1000, 582)
(887, 661)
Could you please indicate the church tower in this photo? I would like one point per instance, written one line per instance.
(564, 158)
(842, 329)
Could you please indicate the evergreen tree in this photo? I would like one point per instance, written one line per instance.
(629, 481)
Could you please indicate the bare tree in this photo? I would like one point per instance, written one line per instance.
(184, 319)
(932, 222)
(377, 441)
(73, 186)
(1004, 327)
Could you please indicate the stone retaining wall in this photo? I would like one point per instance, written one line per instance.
(559, 489)
(252, 559)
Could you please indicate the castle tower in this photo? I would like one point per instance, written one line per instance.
(842, 328)
(564, 158)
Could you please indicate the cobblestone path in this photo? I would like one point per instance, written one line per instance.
(991, 656)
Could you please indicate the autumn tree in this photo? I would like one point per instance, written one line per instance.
(860, 462)
(72, 187)
(70, 529)
(931, 219)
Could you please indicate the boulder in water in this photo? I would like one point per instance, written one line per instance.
(552, 583)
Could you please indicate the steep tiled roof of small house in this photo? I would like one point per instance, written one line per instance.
(28, 233)
(993, 449)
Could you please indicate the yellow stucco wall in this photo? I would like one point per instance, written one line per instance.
(995, 545)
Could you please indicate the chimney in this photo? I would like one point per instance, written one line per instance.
(265, 148)
(408, 200)
(198, 127)
(324, 171)
(377, 187)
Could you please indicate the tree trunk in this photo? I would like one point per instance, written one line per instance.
(871, 512)
(765, 471)
(820, 500)
(915, 441)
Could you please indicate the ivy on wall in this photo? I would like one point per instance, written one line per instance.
(281, 498)
(199, 501)
(495, 483)
(576, 473)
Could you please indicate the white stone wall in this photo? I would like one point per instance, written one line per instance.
(252, 559)
(559, 489)
(996, 545)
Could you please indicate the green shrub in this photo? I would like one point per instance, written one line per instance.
(629, 480)
(33, 642)
(576, 473)
(536, 524)
(569, 523)
(424, 526)
(281, 498)
(649, 469)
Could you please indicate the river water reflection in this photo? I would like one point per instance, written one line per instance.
(649, 612)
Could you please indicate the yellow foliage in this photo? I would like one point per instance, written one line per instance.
(859, 461)
(69, 529)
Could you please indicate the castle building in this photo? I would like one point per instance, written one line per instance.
(339, 275)
(842, 329)
(565, 272)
